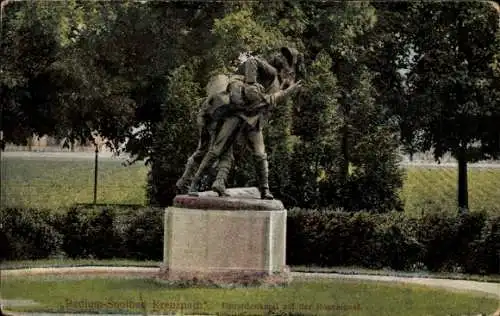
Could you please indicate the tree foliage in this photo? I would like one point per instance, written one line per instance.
(380, 77)
(452, 83)
(182, 99)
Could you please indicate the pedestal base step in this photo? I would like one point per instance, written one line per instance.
(235, 277)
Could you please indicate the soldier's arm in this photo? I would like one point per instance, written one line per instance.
(271, 100)
(267, 67)
(253, 64)
(275, 98)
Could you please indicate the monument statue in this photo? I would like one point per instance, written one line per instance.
(239, 105)
(243, 236)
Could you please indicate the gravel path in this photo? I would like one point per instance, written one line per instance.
(488, 288)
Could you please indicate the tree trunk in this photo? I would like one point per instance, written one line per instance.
(95, 172)
(463, 198)
(30, 143)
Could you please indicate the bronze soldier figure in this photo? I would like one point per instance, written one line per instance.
(250, 103)
(212, 111)
(207, 124)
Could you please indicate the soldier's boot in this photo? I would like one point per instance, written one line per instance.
(263, 176)
(224, 167)
(207, 161)
(183, 183)
(219, 184)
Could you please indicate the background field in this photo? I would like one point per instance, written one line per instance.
(424, 187)
(54, 182)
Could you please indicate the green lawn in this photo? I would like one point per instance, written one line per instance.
(319, 297)
(56, 183)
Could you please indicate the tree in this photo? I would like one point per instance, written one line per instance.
(359, 168)
(316, 128)
(388, 57)
(29, 46)
(51, 84)
(172, 133)
(453, 85)
(182, 99)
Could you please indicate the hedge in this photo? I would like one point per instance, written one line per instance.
(467, 243)
(28, 234)
(81, 232)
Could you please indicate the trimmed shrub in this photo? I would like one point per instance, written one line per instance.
(437, 242)
(106, 242)
(485, 251)
(399, 248)
(362, 247)
(437, 232)
(144, 235)
(469, 231)
(447, 238)
(107, 232)
(332, 241)
(28, 234)
(303, 231)
(90, 233)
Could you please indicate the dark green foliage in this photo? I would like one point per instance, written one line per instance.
(375, 190)
(108, 233)
(435, 242)
(306, 231)
(447, 239)
(437, 232)
(106, 243)
(74, 226)
(399, 247)
(359, 248)
(485, 251)
(144, 235)
(174, 141)
(90, 233)
(28, 234)
(333, 238)
(469, 231)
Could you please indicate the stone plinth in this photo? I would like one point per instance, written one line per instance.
(234, 238)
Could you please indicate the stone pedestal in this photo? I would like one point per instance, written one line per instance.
(225, 239)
